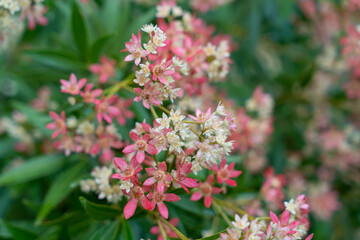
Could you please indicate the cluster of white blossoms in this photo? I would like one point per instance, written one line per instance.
(100, 184)
(218, 58)
(15, 129)
(207, 136)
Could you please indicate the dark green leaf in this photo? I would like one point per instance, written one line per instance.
(56, 58)
(97, 47)
(213, 237)
(59, 189)
(31, 169)
(20, 233)
(99, 211)
(79, 31)
(111, 231)
(126, 232)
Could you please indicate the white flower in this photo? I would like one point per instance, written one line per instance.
(126, 185)
(145, 69)
(163, 11)
(291, 206)
(85, 128)
(241, 223)
(141, 79)
(164, 121)
(148, 28)
(159, 38)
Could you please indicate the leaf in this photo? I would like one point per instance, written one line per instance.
(20, 233)
(56, 58)
(141, 113)
(97, 47)
(99, 211)
(59, 189)
(110, 231)
(126, 232)
(37, 119)
(31, 169)
(79, 31)
(213, 237)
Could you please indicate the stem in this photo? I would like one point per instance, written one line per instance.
(157, 163)
(219, 210)
(118, 86)
(221, 202)
(199, 136)
(162, 231)
(153, 112)
(181, 236)
(163, 109)
(193, 122)
(264, 218)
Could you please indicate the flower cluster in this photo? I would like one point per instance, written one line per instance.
(84, 134)
(293, 224)
(101, 184)
(254, 128)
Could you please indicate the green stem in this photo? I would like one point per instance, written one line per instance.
(162, 231)
(264, 218)
(153, 112)
(192, 122)
(163, 109)
(221, 202)
(218, 208)
(181, 236)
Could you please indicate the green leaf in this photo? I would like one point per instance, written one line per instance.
(99, 211)
(126, 232)
(56, 58)
(97, 47)
(111, 231)
(31, 169)
(59, 189)
(213, 237)
(20, 233)
(141, 112)
(37, 119)
(79, 31)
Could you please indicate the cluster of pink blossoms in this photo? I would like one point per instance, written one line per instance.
(254, 128)
(293, 224)
(188, 150)
(84, 135)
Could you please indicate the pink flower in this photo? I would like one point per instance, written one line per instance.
(127, 171)
(104, 144)
(158, 199)
(140, 146)
(206, 189)
(135, 49)
(124, 111)
(72, 86)
(161, 70)
(105, 70)
(170, 233)
(180, 176)
(59, 124)
(225, 172)
(35, 15)
(200, 116)
(137, 194)
(272, 189)
(90, 95)
(283, 229)
(158, 176)
(148, 96)
(105, 109)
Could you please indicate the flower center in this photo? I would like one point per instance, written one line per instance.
(137, 193)
(141, 145)
(159, 175)
(223, 173)
(206, 189)
(158, 197)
